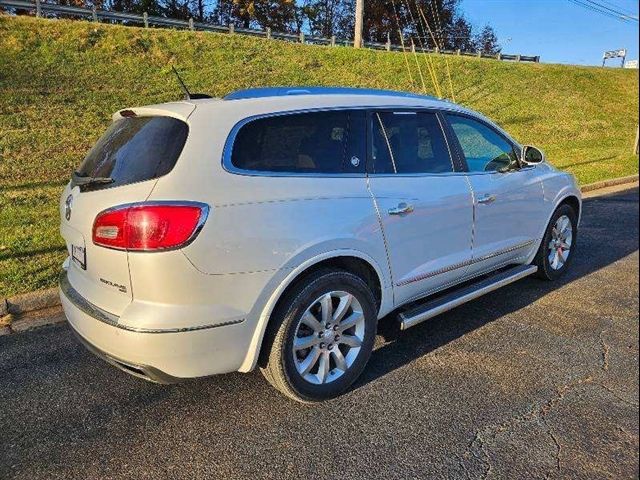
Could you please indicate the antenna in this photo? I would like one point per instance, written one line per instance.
(187, 95)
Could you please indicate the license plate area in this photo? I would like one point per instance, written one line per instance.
(79, 256)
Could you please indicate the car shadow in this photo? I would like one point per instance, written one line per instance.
(592, 253)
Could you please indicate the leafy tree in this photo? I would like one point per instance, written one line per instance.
(487, 41)
(327, 17)
(179, 9)
(428, 23)
(199, 9)
(461, 35)
(278, 14)
(152, 7)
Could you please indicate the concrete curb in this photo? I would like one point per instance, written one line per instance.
(30, 310)
(30, 302)
(608, 183)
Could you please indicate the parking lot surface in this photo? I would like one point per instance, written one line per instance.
(536, 380)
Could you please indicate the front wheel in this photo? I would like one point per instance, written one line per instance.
(321, 336)
(558, 244)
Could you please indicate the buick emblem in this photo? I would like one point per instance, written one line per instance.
(67, 207)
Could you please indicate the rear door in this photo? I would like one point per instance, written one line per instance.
(508, 200)
(121, 168)
(424, 206)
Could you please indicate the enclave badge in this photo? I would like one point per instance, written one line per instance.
(67, 207)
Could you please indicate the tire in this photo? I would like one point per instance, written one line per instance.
(550, 262)
(325, 361)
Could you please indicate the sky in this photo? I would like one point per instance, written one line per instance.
(557, 30)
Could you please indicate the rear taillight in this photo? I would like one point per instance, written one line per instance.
(149, 226)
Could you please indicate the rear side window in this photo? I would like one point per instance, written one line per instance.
(315, 142)
(135, 149)
(409, 142)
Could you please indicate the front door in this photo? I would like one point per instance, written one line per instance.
(508, 200)
(425, 208)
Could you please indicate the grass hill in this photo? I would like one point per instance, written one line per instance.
(60, 81)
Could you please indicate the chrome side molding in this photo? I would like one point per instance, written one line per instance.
(456, 298)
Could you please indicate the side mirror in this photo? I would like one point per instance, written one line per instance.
(532, 155)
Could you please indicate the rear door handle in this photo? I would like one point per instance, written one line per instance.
(401, 209)
(486, 199)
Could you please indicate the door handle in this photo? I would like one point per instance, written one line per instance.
(486, 199)
(401, 209)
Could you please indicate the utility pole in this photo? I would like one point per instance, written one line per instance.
(357, 37)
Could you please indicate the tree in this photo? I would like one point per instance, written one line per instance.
(487, 41)
(391, 18)
(179, 9)
(461, 35)
(327, 17)
(152, 7)
(199, 9)
(280, 15)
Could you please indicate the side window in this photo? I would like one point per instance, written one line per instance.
(484, 149)
(409, 142)
(315, 142)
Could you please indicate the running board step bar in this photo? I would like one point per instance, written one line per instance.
(410, 318)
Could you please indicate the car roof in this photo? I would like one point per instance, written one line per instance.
(265, 92)
(289, 98)
(266, 100)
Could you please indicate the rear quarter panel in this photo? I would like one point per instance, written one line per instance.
(274, 226)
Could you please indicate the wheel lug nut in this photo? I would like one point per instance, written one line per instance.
(336, 338)
(331, 346)
(322, 345)
(327, 326)
(321, 334)
(335, 328)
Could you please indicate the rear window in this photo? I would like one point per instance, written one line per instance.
(135, 149)
(314, 142)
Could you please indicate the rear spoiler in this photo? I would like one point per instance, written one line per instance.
(180, 110)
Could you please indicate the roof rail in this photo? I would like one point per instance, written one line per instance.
(265, 92)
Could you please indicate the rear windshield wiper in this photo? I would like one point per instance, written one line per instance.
(80, 180)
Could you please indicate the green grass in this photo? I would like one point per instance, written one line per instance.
(60, 81)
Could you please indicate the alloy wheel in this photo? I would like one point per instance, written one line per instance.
(560, 244)
(328, 337)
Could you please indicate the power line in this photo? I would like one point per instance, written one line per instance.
(602, 12)
(614, 11)
(619, 7)
(593, 9)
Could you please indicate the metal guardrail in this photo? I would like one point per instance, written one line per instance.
(150, 20)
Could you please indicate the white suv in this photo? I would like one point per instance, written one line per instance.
(274, 227)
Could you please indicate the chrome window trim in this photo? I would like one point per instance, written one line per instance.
(227, 150)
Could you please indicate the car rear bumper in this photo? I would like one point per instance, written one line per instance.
(162, 356)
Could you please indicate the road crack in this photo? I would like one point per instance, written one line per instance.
(536, 414)
(605, 351)
(485, 459)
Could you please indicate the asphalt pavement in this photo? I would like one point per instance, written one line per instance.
(536, 380)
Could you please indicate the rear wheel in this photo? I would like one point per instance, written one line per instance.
(321, 336)
(558, 244)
